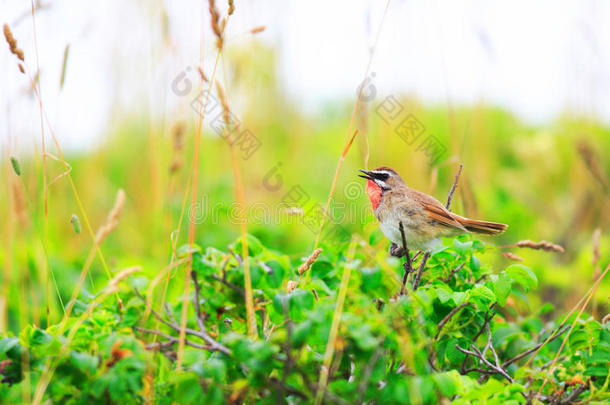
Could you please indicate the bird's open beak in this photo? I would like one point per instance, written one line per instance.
(367, 175)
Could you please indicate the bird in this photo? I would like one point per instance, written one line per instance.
(424, 219)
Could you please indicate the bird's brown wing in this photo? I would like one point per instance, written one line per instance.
(437, 211)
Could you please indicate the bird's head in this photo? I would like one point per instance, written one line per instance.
(380, 180)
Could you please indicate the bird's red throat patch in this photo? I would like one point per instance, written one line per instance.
(374, 193)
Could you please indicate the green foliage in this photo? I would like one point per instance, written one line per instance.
(390, 349)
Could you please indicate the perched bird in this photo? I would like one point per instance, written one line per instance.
(424, 218)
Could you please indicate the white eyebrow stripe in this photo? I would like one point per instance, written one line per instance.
(381, 172)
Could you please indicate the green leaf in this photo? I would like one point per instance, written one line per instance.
(598, 371)
(84, 362)
(371, 278)
(502, 287)
(7, 344)
(444, 294)
(275, 274)
(255, 247)
(453, 354)
(522, 275)
(321, 269)
(546, 308)
(375, 237)
(462, 247)
(184, 250)
(447, 383)
(482, 295)
(203, 266)
(256, 275)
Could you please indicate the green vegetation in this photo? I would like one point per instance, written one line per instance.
(92, 301)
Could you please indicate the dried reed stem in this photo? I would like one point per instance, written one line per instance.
(241, 200)
(334, 328)
(595, 262)
(64, 65)
(191, 238)
(592, 163)
(112, 221)
(346, 148)
(349, 138)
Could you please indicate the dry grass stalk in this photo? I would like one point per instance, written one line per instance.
(542, 245)
(310, 261)
(231, 7)
(64, 65)
(241, 199)
(512, 256)
(203, 76)
(226, 111)
(178, 146)
(592, 163)
(334, 327)
(122, 275)
(20, 205)
(565, 339)
(595, 262)
(258, 29)
(193, 180)
(217, 25)
(112, 221)
(596, 250)
(346, 148)
(12, 43)
(348, 140)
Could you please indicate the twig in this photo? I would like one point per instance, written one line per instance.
(453, 187)
(420, 271)
(493, 369)
(214, 345)
(408, 265)
(422, 266)
(533, 349)
(446, 319)
(197, 304)
(229, 284)
(487, 318)
(450, 276)
(570, 399)
(170, 339)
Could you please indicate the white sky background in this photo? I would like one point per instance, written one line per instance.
(535, 58)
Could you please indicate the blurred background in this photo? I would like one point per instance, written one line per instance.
(517, 92)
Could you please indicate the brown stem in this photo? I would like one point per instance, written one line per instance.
(422, 266)
(447, 318)
(453, 187)
(408, 265)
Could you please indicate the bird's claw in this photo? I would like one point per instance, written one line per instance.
(396, 251)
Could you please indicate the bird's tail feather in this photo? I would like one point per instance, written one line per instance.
(483, 227)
